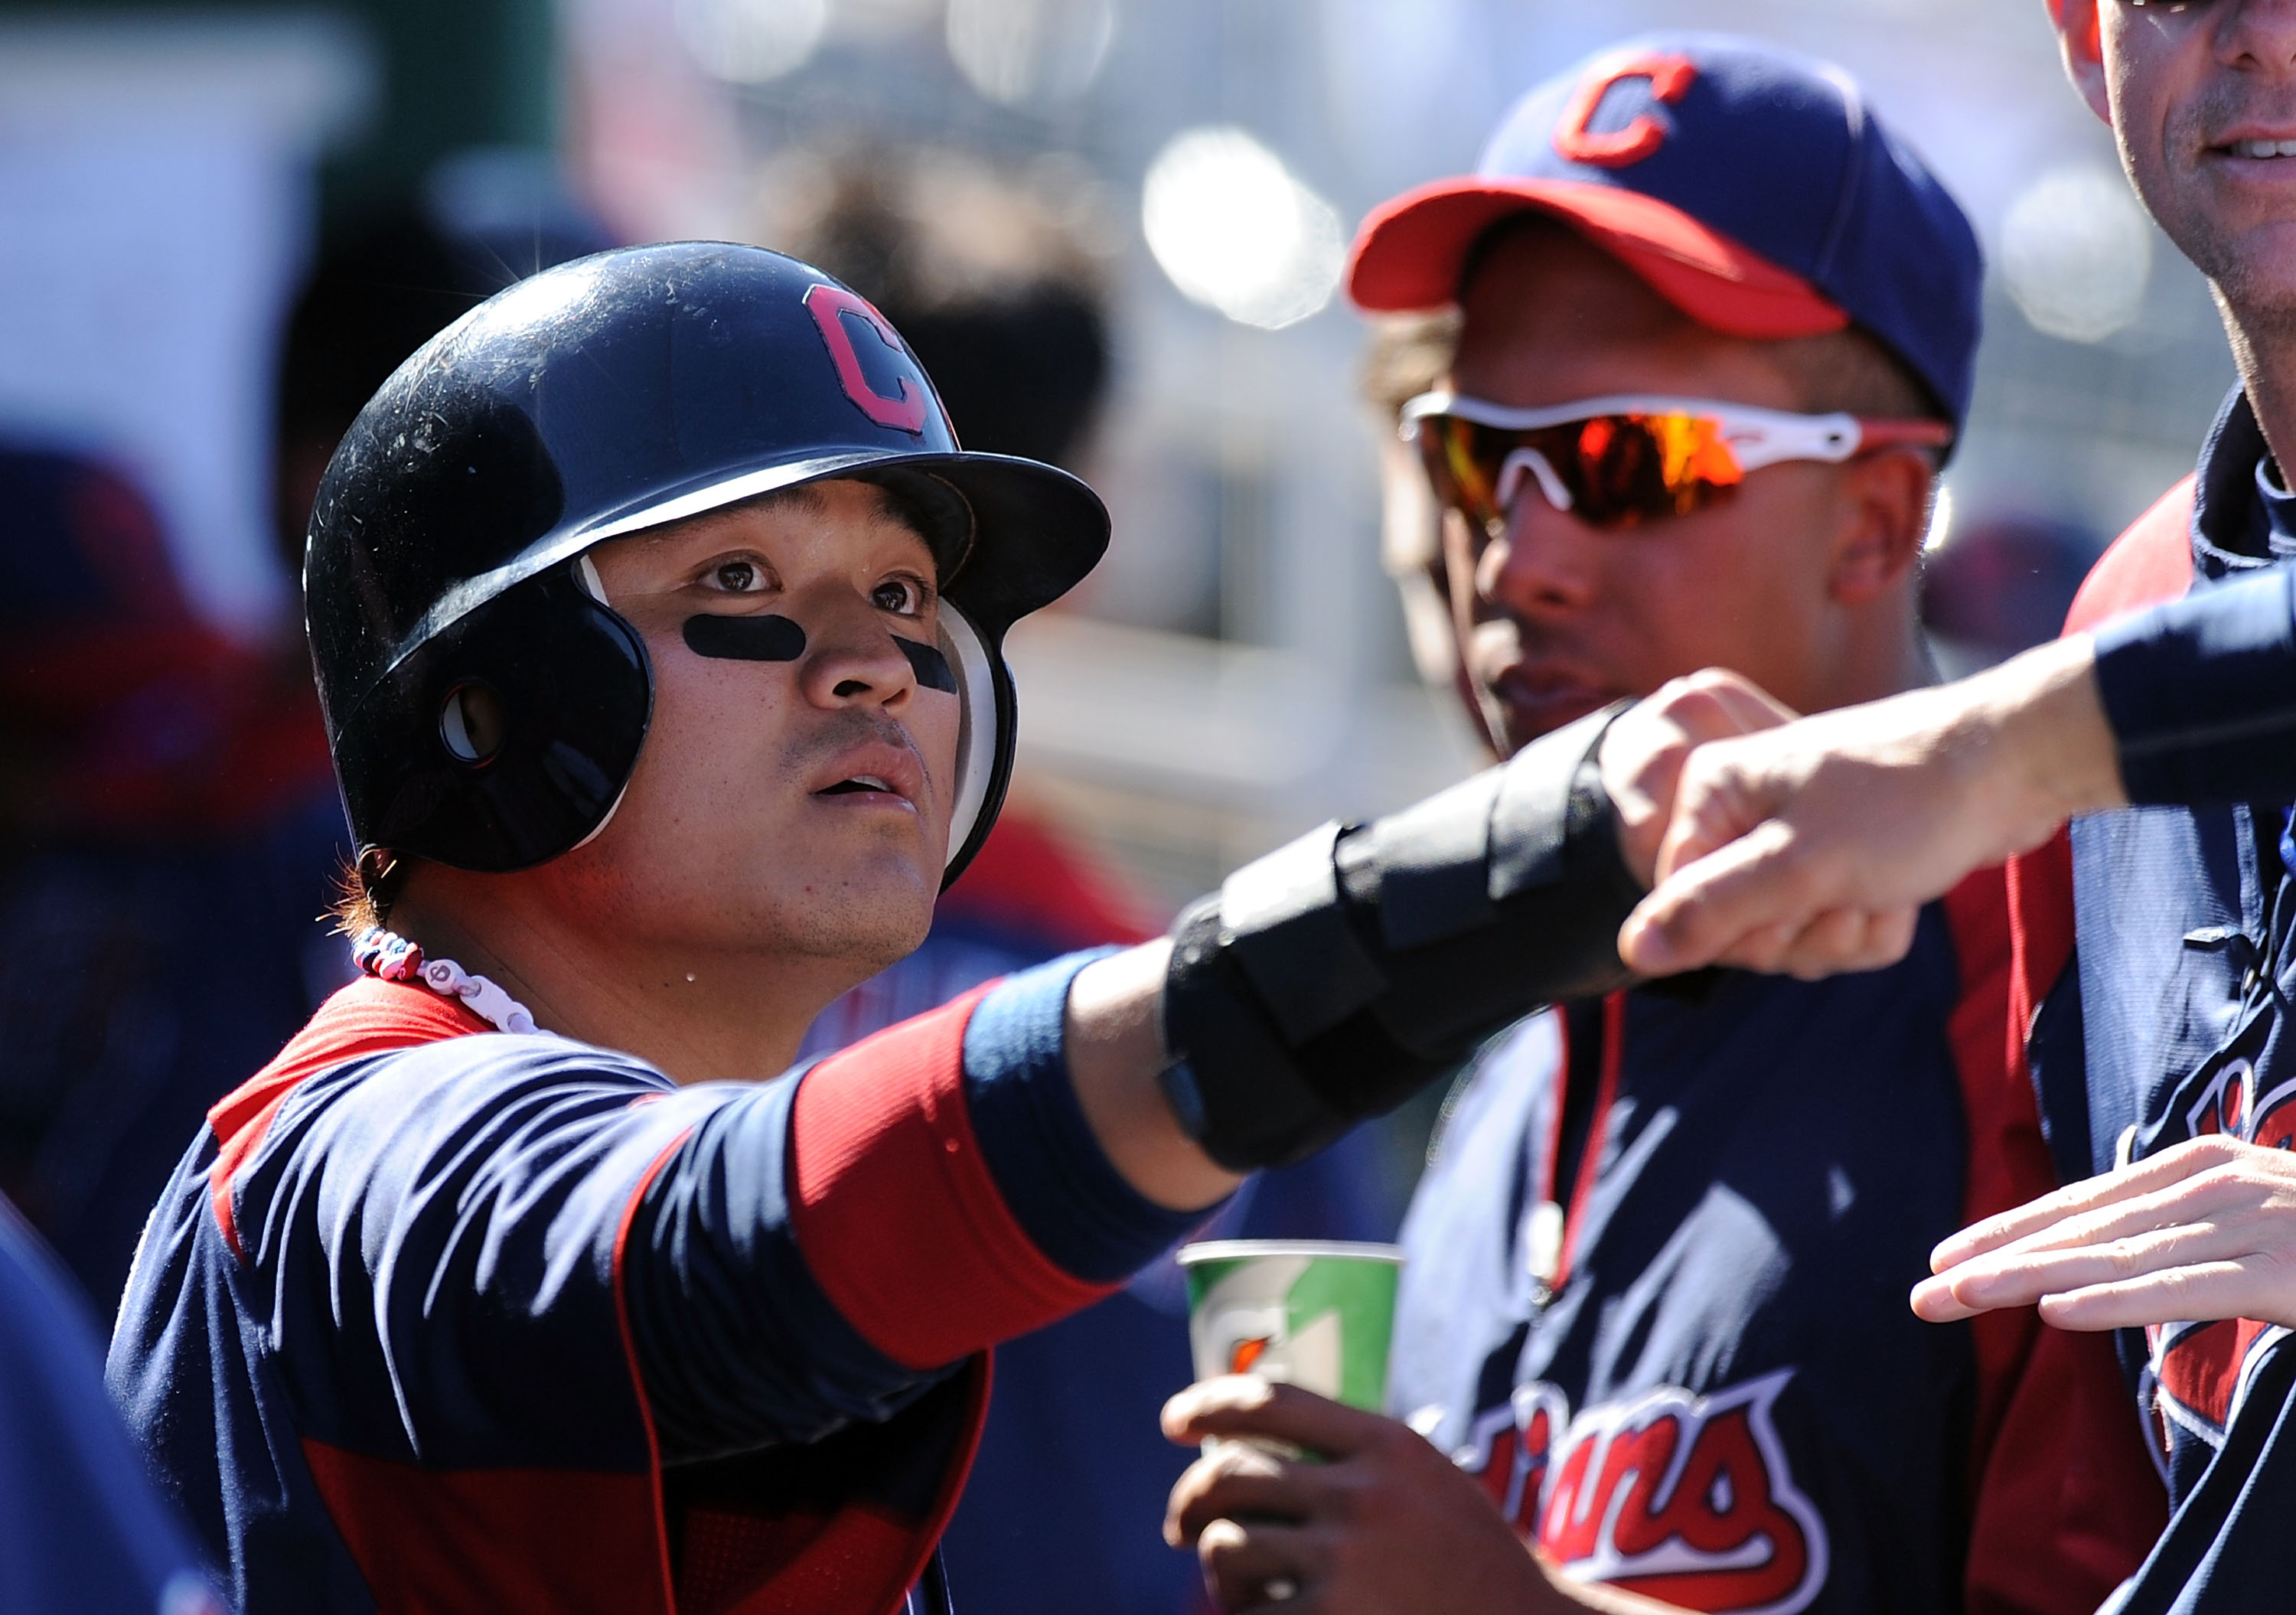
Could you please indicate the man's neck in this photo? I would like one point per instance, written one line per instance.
(696, 1015)
(1880, 653)
(2264, 351)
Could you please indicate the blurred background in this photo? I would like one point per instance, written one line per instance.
(1239, 668)
(1113, 229)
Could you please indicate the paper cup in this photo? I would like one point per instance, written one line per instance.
(1311, 1313)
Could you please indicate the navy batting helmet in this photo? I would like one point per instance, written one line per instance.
(608, 395)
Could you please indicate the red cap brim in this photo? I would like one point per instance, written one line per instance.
(1409, 253)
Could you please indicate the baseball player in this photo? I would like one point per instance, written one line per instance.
(656, 617)
(2159, 1039)
(1694, 420)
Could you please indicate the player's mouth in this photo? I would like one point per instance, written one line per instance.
(2262, 145)
(874, 775)
(1542, 699)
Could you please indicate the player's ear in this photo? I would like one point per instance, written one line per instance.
(1885, 518)
(2081, 41)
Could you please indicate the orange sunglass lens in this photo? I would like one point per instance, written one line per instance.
(1694, 454)
(1620, 470)
(1630, 468)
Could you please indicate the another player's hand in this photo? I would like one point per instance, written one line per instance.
(1385, 1525)
(1807, 850)
(2204, 1230)
(1644, 752)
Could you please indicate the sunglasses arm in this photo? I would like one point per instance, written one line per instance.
(1770, 439)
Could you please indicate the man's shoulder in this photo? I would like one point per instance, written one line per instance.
(2149, 563)
(379, 1055)
(421, 1040)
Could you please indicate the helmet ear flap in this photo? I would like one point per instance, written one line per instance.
(507, 737)
(985, 737)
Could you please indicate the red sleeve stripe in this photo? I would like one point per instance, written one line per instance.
(896, 1210)
(638, 1379)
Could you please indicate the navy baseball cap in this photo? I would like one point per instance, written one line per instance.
(1752, 188)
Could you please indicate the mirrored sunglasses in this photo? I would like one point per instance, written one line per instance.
(1619, 462)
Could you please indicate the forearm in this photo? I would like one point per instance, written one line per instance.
(1329, 980)
(2034, 738)
(1116, 1051)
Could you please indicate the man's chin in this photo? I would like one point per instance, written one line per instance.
(2253, 265)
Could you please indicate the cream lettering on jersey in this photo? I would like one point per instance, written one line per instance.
(1685, 1497)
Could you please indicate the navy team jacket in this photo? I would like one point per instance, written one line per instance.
(439, 1318)
(1693, 1374)
(2155, 952)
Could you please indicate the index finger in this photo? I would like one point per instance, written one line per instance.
(1245, 1404)
(2035, 1216)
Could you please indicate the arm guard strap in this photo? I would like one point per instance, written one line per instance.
(1331, 980)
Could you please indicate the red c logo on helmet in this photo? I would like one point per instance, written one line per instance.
(828, 304)
(1671, 76)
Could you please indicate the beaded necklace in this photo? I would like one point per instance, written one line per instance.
(389, 957)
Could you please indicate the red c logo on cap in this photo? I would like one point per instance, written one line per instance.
(1671, 76)
(827, 303)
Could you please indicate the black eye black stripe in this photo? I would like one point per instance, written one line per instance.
(932, 668)
(745, 638)
(771, 638)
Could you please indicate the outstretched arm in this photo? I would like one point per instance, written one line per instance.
(1806, 849)
(975, 1173)
(1331, 980)
(1809, 849)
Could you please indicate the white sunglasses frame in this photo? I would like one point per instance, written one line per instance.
(1757, 436)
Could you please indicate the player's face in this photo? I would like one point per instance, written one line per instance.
(2204, 98)
(794, 791)
(1558, 618)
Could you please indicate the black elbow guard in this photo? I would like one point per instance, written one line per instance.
(1331, 980)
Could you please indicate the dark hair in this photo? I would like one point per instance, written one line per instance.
(1408, 355)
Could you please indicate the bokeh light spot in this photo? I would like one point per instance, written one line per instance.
(1237, 231)
(2077, 253)
(751, 41)
(1017, 52)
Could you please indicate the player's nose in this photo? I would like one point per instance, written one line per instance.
(853, 654)
(1545, 561)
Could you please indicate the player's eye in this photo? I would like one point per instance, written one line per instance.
(735, 575)
(904, 595)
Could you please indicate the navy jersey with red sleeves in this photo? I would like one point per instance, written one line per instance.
(1657, 1297)
(436, 1318)
(2159, 951)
